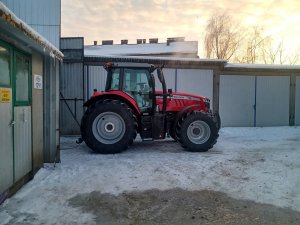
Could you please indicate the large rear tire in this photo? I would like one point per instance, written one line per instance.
(197, 132)
(108, 127)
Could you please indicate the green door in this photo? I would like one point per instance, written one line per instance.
(22, 115)
(6, 118)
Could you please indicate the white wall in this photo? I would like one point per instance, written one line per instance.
(297, 117)
(272, 101)
(237, 99)
(195, 81)
(95, 78)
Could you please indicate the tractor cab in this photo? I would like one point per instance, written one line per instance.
(135, 80)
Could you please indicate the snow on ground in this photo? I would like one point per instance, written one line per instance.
(260, 164)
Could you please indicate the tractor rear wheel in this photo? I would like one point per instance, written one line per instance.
(108, 127)
(197, 132)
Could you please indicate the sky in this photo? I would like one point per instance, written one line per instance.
(132, 19)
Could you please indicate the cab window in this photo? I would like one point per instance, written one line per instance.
(136, 83)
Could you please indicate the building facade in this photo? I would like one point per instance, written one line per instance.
(29, 83)
(244, 95)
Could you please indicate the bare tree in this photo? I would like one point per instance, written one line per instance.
(222, 37)
(278, 55)
(294, 58)
(251, 49)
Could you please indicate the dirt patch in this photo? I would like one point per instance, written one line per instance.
(179, 206)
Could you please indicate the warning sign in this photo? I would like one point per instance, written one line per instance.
(5, 95)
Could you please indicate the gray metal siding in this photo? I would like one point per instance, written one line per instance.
(96, 79)
(51, 114)
(297, 116)
(170, 78)
(272, 101)
(43, 15)
(51, 33)
(195, 81)
(6, 149)
(22, 141)
(71, 43)
(237, 98)
(71, 86)
(71, 82)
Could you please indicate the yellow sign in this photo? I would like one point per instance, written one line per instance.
(5, 95)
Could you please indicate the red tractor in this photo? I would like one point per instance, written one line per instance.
(131, 105)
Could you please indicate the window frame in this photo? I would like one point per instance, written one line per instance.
(27, 56)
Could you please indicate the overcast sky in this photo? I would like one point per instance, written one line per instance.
(132, 19)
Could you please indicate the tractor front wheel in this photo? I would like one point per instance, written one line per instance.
(197, 132)
(108, 127)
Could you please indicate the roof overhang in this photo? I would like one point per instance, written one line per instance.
(13, 27)
(260, 69)
(167, 61)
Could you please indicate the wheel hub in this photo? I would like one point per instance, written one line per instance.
(198, 132)
(108, 128)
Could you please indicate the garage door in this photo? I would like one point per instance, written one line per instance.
(195, 81)
(298, 101)
(272, 106)
(237, 98)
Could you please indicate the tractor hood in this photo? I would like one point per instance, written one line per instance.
(178, 101)
(185, 96)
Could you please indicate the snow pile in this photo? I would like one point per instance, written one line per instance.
(142, 49)
(260, 164)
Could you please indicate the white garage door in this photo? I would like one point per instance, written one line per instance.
(195, 81)
(170, 79)
(297, 101)
(237, 98)
(272, 101)
(95, 78)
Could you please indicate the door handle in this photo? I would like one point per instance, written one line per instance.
(24, 116)
(12, 123)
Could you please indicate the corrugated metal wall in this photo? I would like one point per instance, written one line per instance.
(95, 78)
(71, 87)
(297, 117)
(71, 43)
(51, 108)
(254, 101)
(237, 100)
(42, 15)
(272, 101)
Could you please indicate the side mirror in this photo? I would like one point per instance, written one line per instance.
(170, 91)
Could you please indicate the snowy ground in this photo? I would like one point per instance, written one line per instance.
(259, 164)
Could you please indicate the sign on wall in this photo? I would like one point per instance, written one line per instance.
(5, 95)
(38, 81)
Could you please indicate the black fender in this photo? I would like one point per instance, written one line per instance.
(180, 114)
